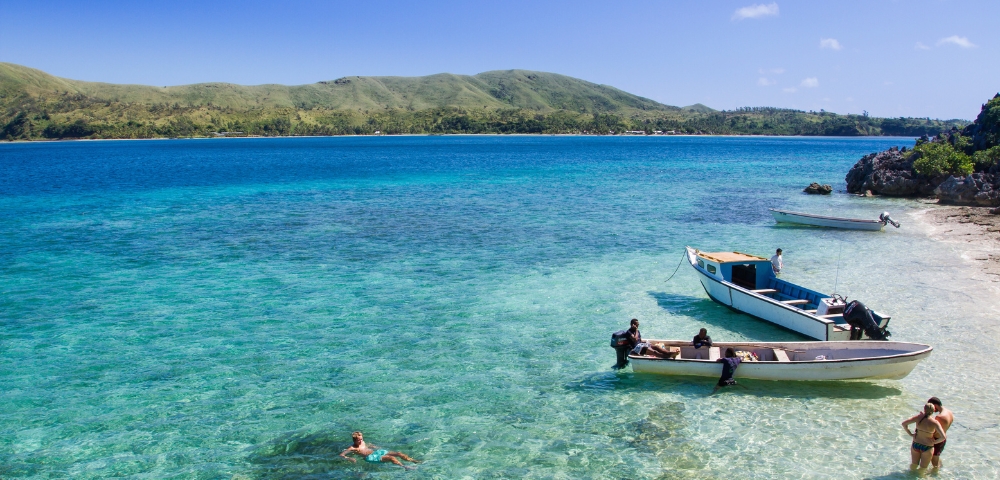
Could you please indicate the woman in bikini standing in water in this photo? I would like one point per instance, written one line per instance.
(923, 439)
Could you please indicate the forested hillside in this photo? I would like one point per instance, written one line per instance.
(35, 105)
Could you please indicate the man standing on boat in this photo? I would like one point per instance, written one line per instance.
(945, 418)
(776, 263)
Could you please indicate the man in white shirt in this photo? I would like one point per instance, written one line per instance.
(776, 263)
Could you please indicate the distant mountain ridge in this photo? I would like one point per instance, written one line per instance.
(522, 89)
(36, 106)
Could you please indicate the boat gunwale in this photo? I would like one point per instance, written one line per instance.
(927, 349)
(824, 217)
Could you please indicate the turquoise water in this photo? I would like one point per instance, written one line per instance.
(235, 308)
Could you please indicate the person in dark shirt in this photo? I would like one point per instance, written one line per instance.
(729, 364)
(634, 337)
(702, 339)
(640, 347)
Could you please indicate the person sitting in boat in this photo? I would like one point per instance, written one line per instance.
(702, 339)
(776, 263)
(729, 364)
(640, 347)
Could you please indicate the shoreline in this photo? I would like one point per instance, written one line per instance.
(48, 140)
(974, 229)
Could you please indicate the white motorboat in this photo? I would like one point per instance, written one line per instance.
(747, 284)
(848, 360)
(785, 216)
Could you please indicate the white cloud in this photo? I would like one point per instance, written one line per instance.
(830, 43)
(810, 82)
(920, 46)
(789, 90)
(955, 39)
(756, 11)
(764, 81)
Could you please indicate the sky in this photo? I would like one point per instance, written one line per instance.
(914, 58)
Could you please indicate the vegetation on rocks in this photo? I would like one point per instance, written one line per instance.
(958, 166)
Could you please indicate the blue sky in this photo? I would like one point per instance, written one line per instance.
(921, 58)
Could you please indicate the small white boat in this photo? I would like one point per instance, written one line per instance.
(850, 360)
(747, 284)
(785, 216)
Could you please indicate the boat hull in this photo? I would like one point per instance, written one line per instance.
(784, 216)
(849, 360)
(767, 309)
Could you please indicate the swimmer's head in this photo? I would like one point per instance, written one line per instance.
(730, 353)
(929, 409)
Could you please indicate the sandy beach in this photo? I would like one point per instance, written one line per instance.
(974, 229)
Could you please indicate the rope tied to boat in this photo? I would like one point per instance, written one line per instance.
(683, 254)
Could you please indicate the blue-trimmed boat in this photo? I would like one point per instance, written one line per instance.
(747, 284)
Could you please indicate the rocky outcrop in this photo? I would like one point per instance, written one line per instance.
(817, 189)
(889, 173)
(974, 149)
(985, 130)
(980, 189)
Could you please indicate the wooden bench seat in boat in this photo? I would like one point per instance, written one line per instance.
(780, 355)
(810, 311)
(795, 302)
(713, 353)
(832, 315)
(765, 291)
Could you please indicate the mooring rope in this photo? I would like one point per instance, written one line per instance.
(678, 267)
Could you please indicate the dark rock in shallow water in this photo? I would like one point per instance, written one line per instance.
(817, 189)
(889, 173)
(981, 189)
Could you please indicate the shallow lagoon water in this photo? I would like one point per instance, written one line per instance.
(235, 308)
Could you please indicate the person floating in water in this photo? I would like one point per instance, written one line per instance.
(729, 365)
(375, 456)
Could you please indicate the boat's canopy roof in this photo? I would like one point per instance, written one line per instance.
(731, 257)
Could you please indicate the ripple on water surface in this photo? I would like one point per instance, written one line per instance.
(236, 308)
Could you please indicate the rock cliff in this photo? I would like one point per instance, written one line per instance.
(889, 173)
(961, 168)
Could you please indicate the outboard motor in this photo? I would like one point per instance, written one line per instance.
(885, 218)
(861, 320)
(619, 341)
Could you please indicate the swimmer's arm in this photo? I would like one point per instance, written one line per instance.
(349, 450)
(907, 422)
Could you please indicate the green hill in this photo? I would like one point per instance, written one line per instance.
(36, 105)
(537, 91)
